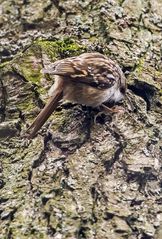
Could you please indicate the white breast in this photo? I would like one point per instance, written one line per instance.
(117, 96)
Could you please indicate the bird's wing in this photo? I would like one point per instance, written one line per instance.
(92, 69)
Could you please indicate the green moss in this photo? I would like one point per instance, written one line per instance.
(2, 65)
(60, 118)
(140, 66)
(26, 105)
(32, 77)
(61, 48)
(145, 74)
(29, 63)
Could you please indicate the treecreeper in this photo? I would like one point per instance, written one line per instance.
(91, 79)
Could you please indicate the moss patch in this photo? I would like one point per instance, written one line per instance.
(61, 48)
(29, 63)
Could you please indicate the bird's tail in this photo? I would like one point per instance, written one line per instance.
(45, 113)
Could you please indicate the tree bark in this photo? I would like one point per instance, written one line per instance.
(78, 179)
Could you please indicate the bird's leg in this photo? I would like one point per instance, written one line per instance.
(114, 109)
(107, 110)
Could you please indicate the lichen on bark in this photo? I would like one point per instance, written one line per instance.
(78, 179)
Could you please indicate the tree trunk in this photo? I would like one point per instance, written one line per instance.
(80, 178)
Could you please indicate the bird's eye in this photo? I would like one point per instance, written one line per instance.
(111, 77)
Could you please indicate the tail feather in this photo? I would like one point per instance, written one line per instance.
(44, 114)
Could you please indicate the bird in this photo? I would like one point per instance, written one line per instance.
(90, 79)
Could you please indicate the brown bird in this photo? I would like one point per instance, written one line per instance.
(90, 79)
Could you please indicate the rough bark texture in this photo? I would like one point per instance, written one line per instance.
(78, 179)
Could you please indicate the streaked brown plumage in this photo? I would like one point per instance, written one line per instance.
(90, 79)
